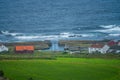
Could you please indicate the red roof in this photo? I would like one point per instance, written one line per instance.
(22, 48)
(97, 45)
(111, 43)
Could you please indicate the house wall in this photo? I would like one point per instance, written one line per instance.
(119, 44)
(24, 51)
(118, 51)
(3, 48)
(91, 50)
(101, 50)
(105, 49)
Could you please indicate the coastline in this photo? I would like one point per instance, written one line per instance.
(82, 43)
(54, 45)
(38, 44)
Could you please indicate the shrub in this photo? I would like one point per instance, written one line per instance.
(65, 52)
(1, 73)
(30, 78)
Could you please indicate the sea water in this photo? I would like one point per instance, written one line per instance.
(35, 20)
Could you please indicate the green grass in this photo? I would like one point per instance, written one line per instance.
(62, 69)
(54, 54)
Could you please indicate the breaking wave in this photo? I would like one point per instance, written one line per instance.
(108, 26)
(76, 35)
(106, 31)
(63, 35)
(36, 37)
(110, 29)
(8, 33)
(114, 35)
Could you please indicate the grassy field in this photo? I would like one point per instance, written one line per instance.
(54, 54)
(62, 69)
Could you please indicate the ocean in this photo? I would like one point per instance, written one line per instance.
(35, 20)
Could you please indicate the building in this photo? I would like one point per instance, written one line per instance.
(100, 48)
(111, 43)
(24, 49)
(118, 43)
(72, 50)
(114, 49)
(3, 48)
(110, 47)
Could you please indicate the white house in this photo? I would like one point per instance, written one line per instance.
(118, 43)
(98, 48)
(105, 49)
(72, 50)
(109, 47)
(114, 49)
(3, 48)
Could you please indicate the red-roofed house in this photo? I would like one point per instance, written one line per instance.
(98, 48)
(111, 43)
(111, 46)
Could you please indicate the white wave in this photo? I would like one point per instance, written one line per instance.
(107, 26)
(27, 37)
(44, 37)
(110, 29)
(53, 37)
(50, 37)
(115, 35)
(87, 35)
(7, 33)
(66, 34)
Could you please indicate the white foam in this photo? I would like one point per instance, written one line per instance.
(66, 34)
(108, 26)
(110, 29)
(115, 35)
(49, 37)
(10, 34)
(27, 37)
(39, 37)
(87, 35)
(63, 35)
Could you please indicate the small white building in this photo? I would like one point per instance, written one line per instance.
(3, 48)
(72, 50)
(118, 43)
(110, 47)
(114, 49)
(98, 48)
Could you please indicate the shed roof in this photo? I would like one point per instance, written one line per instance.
(21, 48)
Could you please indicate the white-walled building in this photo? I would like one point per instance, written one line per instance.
(118, 43)
(3, 48)
(114, 49)
(98, 48)
(110, 47)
